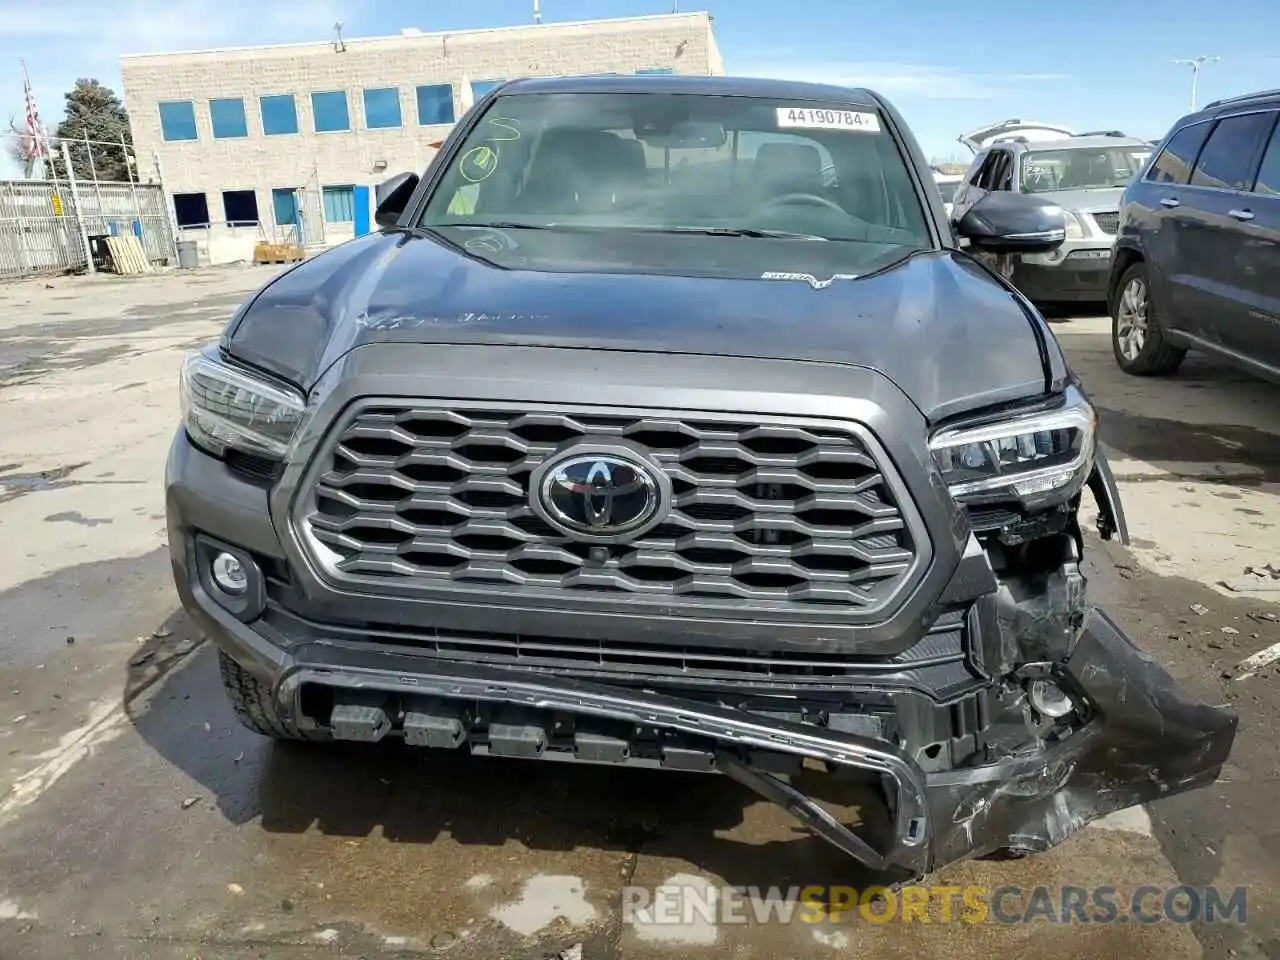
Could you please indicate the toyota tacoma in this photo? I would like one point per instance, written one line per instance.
(668, 422)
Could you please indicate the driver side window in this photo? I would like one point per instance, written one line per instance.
(1004, 173)
(997, 172)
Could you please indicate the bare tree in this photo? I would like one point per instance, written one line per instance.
(17, 148)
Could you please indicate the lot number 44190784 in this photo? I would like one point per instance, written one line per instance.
(814, 118)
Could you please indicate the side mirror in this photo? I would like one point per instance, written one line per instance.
(1013, 223)
(393, 196)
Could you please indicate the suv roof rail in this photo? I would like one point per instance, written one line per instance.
(1102, 133)
(1244, 97)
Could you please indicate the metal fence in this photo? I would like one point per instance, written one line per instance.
(55, 225)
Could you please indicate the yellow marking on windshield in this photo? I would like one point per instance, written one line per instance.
(509, 124)
(478, 163)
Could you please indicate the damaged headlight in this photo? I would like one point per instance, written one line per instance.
(1036, 456)
(225, 408)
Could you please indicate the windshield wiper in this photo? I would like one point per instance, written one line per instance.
(597, 228)
(751, 232)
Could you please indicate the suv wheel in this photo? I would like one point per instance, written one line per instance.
(252, 703)
(1137, 338)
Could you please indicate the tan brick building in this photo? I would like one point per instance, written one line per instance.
(271, 140)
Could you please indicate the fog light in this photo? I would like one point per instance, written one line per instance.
(1049, 699)
(229, 574)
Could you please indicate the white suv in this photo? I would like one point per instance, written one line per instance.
(1084, 173)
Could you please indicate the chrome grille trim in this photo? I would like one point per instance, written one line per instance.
(770, 514)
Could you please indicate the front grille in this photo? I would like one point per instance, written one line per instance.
(1107, 222)
(763, 513)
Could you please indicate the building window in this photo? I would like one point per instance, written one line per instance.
(480, 87)
(339, 204)
(329, 111)
(191, 210)
(435, 104)
(654, 72)
(279, 114)
(228, 118)
(240, 207)
(178, 120)
(382, 108)
(284, 205)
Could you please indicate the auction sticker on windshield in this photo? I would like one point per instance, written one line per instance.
(812, 118)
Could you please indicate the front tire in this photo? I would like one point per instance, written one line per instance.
(252, 703)
(1137, 336)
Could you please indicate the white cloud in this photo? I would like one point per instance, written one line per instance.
(895, 80)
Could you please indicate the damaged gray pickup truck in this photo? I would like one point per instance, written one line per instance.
(666, 421)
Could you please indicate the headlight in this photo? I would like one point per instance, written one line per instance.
(225, 408)
(1038, 456)
(1075, 226)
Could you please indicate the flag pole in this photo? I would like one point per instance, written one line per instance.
(37, 149)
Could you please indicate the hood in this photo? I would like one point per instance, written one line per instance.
(1085, 200)
(935, 323)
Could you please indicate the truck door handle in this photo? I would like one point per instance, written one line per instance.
(1240, 214)
(1169, 201)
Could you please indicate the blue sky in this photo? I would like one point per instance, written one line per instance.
(948, 66)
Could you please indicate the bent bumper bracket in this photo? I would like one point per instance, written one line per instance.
(804, 808)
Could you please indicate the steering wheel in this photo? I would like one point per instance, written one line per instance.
(805, 199)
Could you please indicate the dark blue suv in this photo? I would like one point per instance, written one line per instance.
(1197, 262)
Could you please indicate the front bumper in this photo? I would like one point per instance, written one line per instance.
(1078, 271)
(1144, 739)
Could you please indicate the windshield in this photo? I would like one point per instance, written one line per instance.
(1081, 168)
(702, 164)
(948, 189)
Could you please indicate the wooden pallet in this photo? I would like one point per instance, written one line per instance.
(127, 255)
(264, 252)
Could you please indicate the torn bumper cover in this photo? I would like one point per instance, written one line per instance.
(1143, 739)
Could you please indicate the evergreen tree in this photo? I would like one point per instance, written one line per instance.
(95, 112)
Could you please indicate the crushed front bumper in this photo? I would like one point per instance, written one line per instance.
(1143, 739)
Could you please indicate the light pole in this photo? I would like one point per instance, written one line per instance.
(1196, 63)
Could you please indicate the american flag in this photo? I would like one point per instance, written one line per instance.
(34, 144)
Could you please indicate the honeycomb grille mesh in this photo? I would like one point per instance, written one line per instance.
(763, 513)
(1107, 222)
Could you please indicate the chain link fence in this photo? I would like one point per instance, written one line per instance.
(56, 219)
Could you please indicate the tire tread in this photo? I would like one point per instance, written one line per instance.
(252, 702)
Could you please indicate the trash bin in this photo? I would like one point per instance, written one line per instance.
(188, 255)
(98, 249)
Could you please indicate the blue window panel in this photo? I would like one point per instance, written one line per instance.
(654, 72)
(284, 203)
(279, 114)
(480, 87)
(330, 112)
(382, 108)
(178, 120)
(228, 118)
(435, 104)
(339, 204)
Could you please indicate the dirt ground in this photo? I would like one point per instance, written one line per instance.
(138, 820)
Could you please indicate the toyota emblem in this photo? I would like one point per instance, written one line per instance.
(599, 494)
